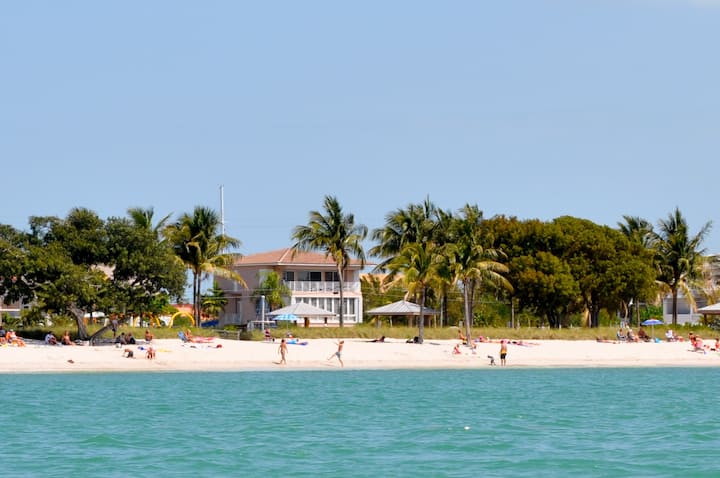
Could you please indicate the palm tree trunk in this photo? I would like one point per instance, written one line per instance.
(196, 298)
(674, 305)
(443, 309)
(342, 295)
(421, 318)
(468, 309)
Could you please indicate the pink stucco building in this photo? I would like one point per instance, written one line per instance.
(311, 277)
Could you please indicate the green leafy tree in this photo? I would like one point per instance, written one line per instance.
(544, 283)
(146, 273)
(679, 256)
(63, 270)
(594, 254)
(13, 264)
(196, 242)
(337, 235)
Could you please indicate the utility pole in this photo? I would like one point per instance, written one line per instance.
(222, 209)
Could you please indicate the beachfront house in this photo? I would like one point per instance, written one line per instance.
(311, 277)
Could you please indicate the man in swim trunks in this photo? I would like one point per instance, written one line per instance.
(503, 352)
(338, 354)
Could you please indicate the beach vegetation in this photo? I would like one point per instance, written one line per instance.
(477, 272)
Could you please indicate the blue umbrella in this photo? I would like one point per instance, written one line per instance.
(286, 317)
(652, 323)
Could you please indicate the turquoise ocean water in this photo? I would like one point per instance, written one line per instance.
(492, 422)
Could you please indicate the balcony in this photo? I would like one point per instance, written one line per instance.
(321, 286)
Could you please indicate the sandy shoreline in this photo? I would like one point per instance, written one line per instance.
(232, 355)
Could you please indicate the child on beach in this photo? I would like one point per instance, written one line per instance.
(338, 353)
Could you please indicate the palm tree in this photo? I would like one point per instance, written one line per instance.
(679, 256)
(417, 223)
(143, 218)
(472, 263)
(637, 230)
(337, 235)
(417, 263)
(202, 250)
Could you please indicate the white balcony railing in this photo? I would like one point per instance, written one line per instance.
(320, 286)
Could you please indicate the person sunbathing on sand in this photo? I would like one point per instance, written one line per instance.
(189, 336)
(66, 338)
(50, 339)
(13, 339)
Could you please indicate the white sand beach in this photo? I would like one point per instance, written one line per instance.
(231, 355)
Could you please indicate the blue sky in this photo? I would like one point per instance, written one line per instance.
(537, 109)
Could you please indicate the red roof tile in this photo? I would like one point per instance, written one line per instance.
(284, 257)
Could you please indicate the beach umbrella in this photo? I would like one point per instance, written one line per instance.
(286, 318)
(652, 323)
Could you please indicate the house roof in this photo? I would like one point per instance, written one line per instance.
(401, 307)
(285, 257)
(302, 309)
(713, 309)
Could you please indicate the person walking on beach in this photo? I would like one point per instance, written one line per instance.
(114, 325)
(338, 354)
(282, 350)
(503, 352)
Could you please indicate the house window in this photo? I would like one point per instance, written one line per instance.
(332, 277)
(289, 276)
(350, 306)
(314, 276)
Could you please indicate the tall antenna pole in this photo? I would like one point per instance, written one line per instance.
(222, 209)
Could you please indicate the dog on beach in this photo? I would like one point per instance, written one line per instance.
(492, 359)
